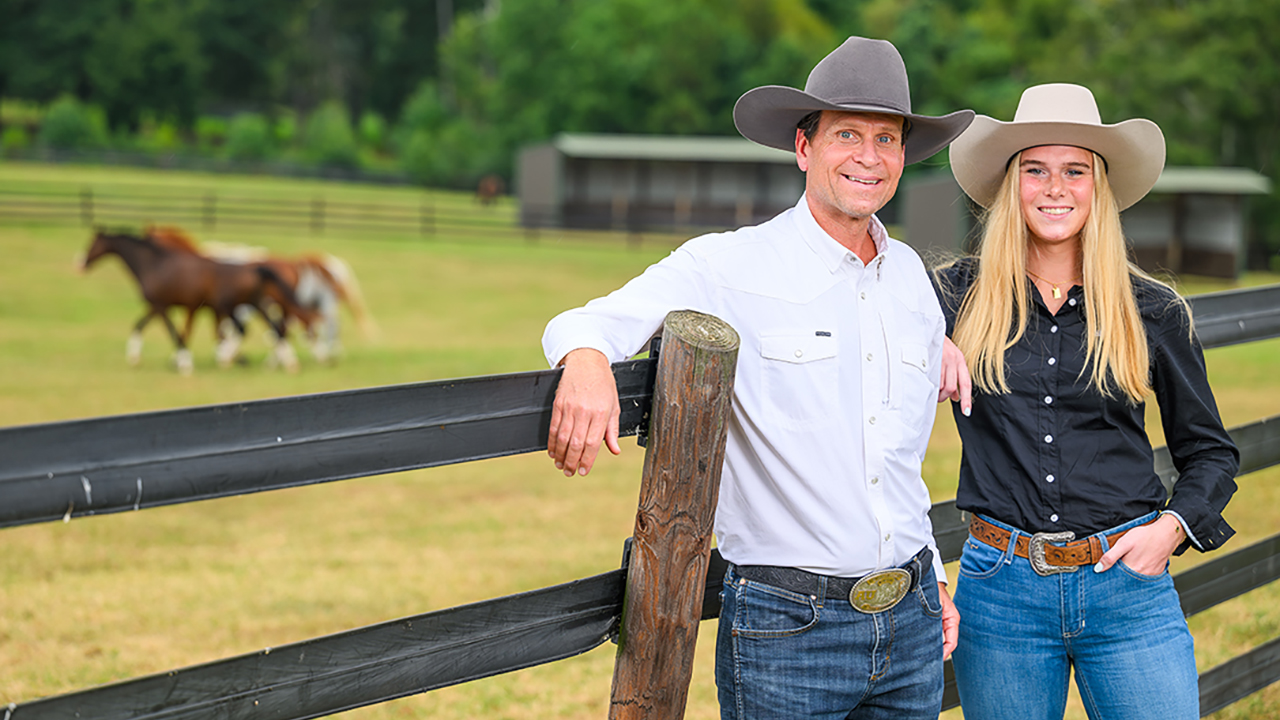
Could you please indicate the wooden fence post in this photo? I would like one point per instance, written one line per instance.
(672, 543)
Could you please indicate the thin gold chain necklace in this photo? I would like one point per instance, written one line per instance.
(1057, 294)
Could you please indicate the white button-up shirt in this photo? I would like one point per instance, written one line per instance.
(835, 392)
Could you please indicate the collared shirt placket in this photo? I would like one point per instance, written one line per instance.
(874, 347)
(1050, 331)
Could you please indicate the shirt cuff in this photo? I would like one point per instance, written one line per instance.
(1185, 528)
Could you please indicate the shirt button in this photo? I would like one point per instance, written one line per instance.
(1053, 329)
(1053, 361)
(1048, 478)
(863, 295)
(872, 420)
(875, 480)
(1072, 302)
(887, 536)
(1053, 517)
(1048, 399)
(869, 356)
(799, 353)
(1048, 438)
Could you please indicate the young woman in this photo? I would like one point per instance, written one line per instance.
(1072, 530)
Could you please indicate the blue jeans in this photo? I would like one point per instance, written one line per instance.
(780, 654)
(1020, 635)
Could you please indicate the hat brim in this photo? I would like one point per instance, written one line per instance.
(1133, 150)
(768, 115)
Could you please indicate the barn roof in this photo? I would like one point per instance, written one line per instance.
(1212, 180)
(668, 147)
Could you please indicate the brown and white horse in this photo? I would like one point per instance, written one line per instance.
(320, 283)
(174, 278)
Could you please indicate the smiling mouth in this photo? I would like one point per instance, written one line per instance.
(1055, 210)
(860, 181)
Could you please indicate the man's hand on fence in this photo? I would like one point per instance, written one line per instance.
(950, 621)
(585, 412)
(956, 384)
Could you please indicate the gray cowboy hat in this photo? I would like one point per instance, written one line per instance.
(1059, 114)
(862, 75)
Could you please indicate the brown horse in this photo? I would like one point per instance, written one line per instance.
(319, 282)
(169, 278)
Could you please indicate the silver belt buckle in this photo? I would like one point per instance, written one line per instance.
(1035, 553)
(880, 590)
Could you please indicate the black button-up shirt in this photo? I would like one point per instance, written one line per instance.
(1055, 454)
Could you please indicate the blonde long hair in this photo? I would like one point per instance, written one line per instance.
(993, 315)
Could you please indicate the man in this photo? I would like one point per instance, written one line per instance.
(834, 400)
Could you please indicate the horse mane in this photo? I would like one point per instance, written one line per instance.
(172, 237)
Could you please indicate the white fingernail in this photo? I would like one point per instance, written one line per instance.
(1098, 568)
(966, 411)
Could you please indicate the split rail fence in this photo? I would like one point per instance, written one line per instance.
(132, 462)
(210, 211)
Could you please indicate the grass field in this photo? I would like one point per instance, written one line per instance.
(103, 599)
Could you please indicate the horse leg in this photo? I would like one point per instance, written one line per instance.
(283, 352)
(182, 356)
(228, 342)
(133, 346)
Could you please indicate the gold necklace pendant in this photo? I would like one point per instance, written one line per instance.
(1057, 294)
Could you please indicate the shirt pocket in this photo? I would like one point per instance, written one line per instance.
(913, 389)
(801, 377)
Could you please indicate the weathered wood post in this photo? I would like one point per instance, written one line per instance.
(672, 543)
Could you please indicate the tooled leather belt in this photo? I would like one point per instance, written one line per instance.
(1066, 555)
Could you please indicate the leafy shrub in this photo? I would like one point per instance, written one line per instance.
(329, 139)
(159, 137)
(249, 137)
(71, 125)
(285, 128)
(15, 137)
(373, 131)
(211, 132)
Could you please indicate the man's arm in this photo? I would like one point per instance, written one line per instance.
(585, 412)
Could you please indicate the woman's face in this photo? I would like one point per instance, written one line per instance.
(1056, 184)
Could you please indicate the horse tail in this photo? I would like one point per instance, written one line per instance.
(344, 280)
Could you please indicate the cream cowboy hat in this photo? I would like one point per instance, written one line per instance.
(862, 75)
(1058, 114)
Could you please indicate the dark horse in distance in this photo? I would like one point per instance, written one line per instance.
(169, 278)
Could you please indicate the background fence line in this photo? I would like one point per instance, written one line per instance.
(229, 449)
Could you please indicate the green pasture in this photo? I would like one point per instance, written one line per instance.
(102, 599)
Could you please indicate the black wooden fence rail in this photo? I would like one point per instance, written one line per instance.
(151, 459)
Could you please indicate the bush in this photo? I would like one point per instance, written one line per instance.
(14, 138)
(249, 137)
(285, 128)
(158, 137)
(70, 125)
(211, 133)
(455, 156)
(373, 131)
(329, 139)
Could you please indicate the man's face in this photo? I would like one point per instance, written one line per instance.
(853, 164)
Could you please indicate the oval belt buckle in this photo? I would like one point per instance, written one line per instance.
(880, 590)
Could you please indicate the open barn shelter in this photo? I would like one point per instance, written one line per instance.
(1193, 221)
(649, 182)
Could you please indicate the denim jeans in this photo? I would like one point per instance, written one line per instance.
(1020, 635)
(781, 654)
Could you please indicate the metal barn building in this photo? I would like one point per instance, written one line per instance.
(653, 182)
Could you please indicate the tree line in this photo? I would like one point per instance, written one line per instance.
(448, 90)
